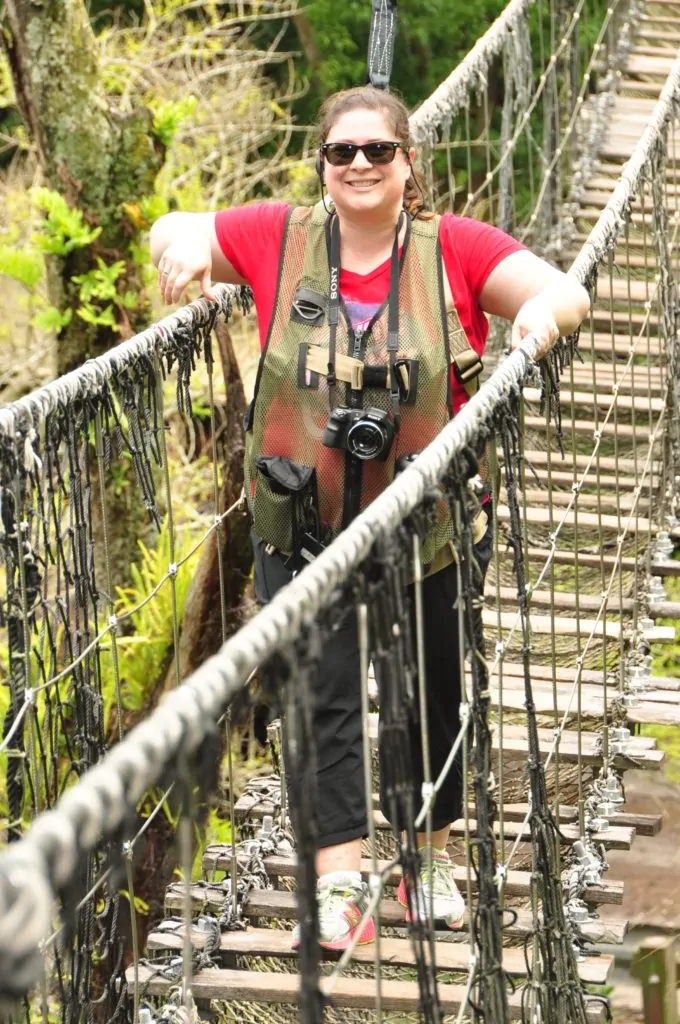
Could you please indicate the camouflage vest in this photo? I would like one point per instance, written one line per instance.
(291, 404)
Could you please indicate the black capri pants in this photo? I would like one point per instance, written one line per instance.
(341, 800)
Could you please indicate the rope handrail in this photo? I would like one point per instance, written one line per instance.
(453, 93)
(46, 858)
(88, 379)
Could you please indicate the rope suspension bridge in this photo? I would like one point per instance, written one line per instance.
(580, 160)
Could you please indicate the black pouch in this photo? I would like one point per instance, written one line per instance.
(309, 307)
(299, 483)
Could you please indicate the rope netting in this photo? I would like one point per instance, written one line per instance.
(555, 613)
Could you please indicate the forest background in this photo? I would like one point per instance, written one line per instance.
(112, 114)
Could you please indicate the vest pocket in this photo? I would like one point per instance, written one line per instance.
(277, 508)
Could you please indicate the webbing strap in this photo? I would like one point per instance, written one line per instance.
(347, 369)
(468, 363)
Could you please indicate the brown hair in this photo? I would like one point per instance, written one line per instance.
(366, 97)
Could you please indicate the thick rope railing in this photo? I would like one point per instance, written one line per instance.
(87, 813)
(43, 861)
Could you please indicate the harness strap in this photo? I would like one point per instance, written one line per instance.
(354, 372)
(467, 363)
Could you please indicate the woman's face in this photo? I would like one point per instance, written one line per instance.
(374, 191)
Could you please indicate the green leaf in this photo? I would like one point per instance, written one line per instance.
(51, 319)
(103, 318)
(23, 265)
(63, 228)
(169, 116)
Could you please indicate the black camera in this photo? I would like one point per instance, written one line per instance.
(365, 433)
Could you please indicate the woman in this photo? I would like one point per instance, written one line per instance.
(355, 311)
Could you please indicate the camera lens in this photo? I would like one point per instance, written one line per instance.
(366, 440)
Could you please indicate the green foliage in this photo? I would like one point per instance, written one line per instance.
(51, 319)
(98, 293)
(23, 265)
(169, 116)
(64, 228)
(142, 655)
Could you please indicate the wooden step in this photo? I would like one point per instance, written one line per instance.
(536, 457)
(616, 838)
(638, 432)
(602, 399)
(619, 345)
(217, 857)
(542, 517)
(593, 482)
(547, 625)
(655, 707)
(450, 956)
(560, 600)
(355, 993)
(601, 501)
(592, 560)
(279, 904)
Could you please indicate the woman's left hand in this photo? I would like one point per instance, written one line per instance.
(536, 317)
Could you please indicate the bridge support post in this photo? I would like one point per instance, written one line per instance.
(654, 964)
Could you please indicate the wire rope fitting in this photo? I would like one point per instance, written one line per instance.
(619, 739)
(427, 792)
(172, 569)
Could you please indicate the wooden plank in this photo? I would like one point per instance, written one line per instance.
(282, 905)
(639, 432)
(449, 956)
(609, 503)
(354, 993)
(217, 857)
(602, 482)
(601, 399)
(542, 517)
(560, 599)
(547, 625)
(540, 458)
(616, 838)
(590, 560)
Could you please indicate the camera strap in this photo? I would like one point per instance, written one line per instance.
(393, 321)
(392, 314)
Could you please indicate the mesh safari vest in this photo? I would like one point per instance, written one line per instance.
(291, 404)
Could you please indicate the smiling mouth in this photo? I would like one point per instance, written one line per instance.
(363, 184)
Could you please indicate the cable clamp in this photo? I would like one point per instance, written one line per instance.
(576, 486)
(172, 569)
(29, 695)
(427, 793)
(557, 732)
(374, 883)
(464, 711)
(597, 434)
(113, 623)
(500, 647)
(127, 849)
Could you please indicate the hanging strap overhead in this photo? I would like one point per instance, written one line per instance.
(381, 42)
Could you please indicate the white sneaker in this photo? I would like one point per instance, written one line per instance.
(342, 901)
(447, 903)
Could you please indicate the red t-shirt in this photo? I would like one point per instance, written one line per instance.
(250, 238)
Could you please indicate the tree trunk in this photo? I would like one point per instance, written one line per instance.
(96, 158)
(201, 633)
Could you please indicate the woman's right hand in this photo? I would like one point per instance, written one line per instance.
(185, 260)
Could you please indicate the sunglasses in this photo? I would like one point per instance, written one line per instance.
(341, 154)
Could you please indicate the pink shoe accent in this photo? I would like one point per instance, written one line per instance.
(402, 900)
(367, 935)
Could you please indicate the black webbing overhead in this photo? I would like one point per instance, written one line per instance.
(381, 43)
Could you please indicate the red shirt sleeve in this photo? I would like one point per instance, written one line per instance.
(471, 249)
(250, 238)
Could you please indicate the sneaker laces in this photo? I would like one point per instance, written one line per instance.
(333, 898)
(443, 883)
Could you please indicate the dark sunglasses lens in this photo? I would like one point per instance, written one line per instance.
(379, 152)
(340, 153)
